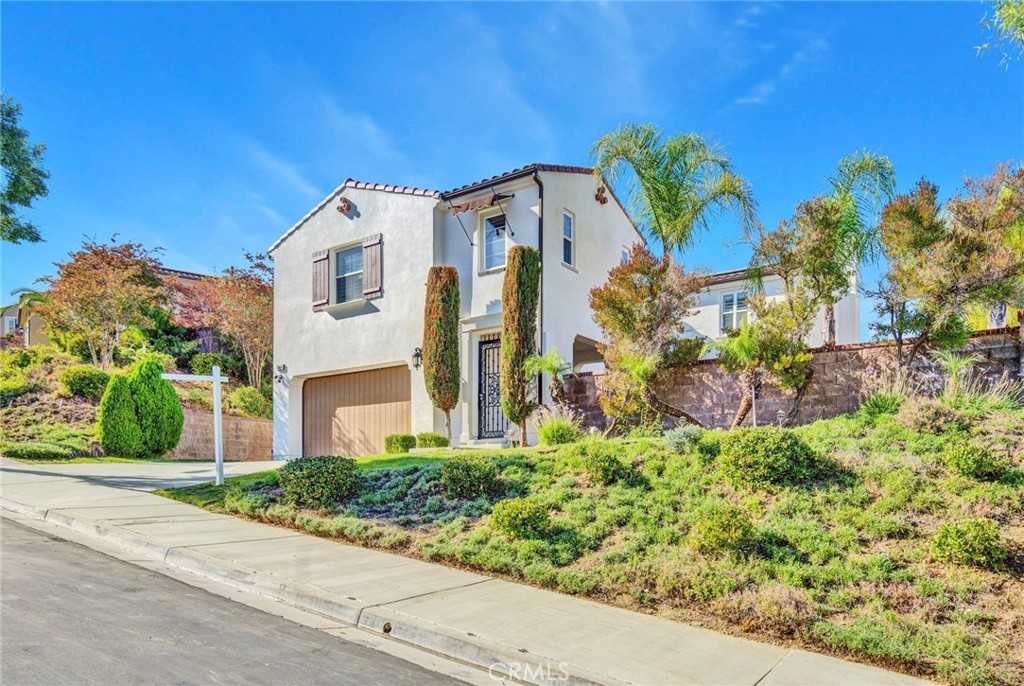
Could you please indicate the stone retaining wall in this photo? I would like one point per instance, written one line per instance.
(711, 395)
(245, 438)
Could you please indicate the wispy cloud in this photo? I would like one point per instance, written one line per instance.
(368, 147)
(285, 171)
(806, 55)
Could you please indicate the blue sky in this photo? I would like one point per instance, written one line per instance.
(207, 129)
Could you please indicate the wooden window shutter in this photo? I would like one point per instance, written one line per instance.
(321, 279)
(373, 267)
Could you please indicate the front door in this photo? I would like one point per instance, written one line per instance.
(491, 422)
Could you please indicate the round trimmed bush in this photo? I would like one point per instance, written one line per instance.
(766, 456)
(395, 444)
(157, 409)
(683, 439)
(724, 527)
(975, 542)
(469, 476)
(118, 429)
(319, 482)
(429, 439)
(559, 431)
(250, 402)
(600, 460)
(974, 461)
(85, 381)
(521, 518)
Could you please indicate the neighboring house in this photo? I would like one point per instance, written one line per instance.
(349, 291)
(21, 323)
(723, 306)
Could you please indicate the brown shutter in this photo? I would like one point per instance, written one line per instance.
(373, 267)
(321, 279)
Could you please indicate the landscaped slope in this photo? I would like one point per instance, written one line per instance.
(889, 538)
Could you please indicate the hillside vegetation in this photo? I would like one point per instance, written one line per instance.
(892, 536)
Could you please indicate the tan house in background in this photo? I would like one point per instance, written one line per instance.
(19, 323)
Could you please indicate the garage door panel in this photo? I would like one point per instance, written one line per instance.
(350, 414)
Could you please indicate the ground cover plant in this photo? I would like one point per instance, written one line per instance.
(858, 535)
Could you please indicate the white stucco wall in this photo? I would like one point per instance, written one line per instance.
(706, 321)
(361, 335)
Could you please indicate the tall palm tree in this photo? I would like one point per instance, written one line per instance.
(676, 184)
(861, 184)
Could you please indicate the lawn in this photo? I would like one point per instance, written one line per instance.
(892, 539)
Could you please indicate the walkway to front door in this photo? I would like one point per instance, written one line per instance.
(491, 422)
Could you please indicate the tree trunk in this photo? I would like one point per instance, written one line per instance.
(1020, 343)
(748, 381)
(523, 442)
(661, 407)
(558, 397)
(615, 418)
(794, 408)
(448, 425)
(829, 328)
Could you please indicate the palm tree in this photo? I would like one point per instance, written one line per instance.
(554, 366)
(677, 185)
(28, 299)
(642, 369)
(861, 184)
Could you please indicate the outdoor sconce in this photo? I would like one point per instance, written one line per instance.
(417, 358)
(780, 417)
(282, 369)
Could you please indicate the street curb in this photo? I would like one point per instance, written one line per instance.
(500, 660)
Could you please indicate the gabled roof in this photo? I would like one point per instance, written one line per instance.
(732, 275)
(361, 185)
(461, 190)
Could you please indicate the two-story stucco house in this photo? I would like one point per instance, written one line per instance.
(349, 290)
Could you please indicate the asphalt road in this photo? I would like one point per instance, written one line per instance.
(71, 615)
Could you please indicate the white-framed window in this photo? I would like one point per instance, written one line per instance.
(568, 238)
(10, 324)
(624, 256)
(495, 237)
(734, 310)
(348, 274)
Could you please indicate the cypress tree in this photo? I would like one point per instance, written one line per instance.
(520, 294)
(119, 432)
(157, 409)
(441, 371)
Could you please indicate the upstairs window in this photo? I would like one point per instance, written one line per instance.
(568, 239)
(348, 274)
(624, 256)
(10, 325)
(494, 242)
(734, 310)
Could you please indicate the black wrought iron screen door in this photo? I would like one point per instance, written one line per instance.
(491, 422)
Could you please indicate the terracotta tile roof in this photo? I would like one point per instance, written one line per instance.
(468, 188)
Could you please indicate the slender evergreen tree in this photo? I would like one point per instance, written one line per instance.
(441, 341)
(519, 296)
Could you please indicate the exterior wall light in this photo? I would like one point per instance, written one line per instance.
(417, 358)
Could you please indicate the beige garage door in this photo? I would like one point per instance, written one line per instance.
(350, 414)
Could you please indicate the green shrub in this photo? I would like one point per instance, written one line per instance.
(13, 384)
(202, 363)
(118, 429)
(930, 416)
(723, 527)
(600, 459)
(975, 542)
(974, 461)
(521, 518)
(85, 381)
(157, 410)
(881, 404)
(24, 358)
(250, 402)
(469, 476)
(766, 456)
(559, 431)
(399, 443)
(429, 439)
(709, 447)
(27, 450)
(683, 439)
(319, 482)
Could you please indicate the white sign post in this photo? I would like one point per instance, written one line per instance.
(218, 432)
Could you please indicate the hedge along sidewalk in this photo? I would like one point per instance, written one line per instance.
(534, 635)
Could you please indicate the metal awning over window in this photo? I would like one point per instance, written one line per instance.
(482, 202)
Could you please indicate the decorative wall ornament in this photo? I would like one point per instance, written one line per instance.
(600, 196)
(344, 205)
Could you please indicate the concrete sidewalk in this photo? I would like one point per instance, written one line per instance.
(530, 634)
